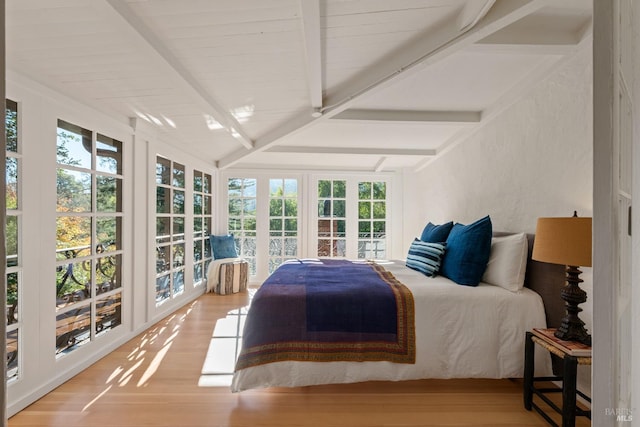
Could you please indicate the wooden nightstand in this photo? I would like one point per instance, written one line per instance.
(572, 355)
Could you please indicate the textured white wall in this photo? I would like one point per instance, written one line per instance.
(532, 160)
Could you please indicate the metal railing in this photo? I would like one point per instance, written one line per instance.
(73, 285)
(106, 267)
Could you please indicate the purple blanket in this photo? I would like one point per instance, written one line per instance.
(329, 310)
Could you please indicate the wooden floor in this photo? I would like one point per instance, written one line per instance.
(153, 381)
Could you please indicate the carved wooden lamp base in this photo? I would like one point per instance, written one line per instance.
(572, 328)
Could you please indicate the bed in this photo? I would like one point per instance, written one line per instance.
(458, 331)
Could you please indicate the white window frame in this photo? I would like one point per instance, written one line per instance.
(244, 234)
(151, 149)
(308, 211)
(207, 211)
(351, 228)
(174, 240)
(93, 257)
(283, 217)
(262, 213)
(17, 269)
(371, 220)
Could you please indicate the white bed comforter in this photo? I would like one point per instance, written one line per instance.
(461, 332)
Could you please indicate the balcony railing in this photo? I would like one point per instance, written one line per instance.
(73, 286)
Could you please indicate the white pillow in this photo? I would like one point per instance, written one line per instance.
(507, 262)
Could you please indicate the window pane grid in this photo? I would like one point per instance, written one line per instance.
(201, 225)
(88, 232)
(332, 215)
(242, 199)
(372, 213)
(170, 229)
(13, 245)
(283, 221)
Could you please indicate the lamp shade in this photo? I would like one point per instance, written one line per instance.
(563, 240)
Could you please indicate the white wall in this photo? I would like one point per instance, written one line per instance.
(532, 160)
(39, 108)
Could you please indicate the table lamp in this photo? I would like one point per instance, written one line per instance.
(567, 241)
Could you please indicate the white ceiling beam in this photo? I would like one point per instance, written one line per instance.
(472, 12)
(531, 36)
(427, 50)
(310, 10)
(351, 150)
(142, 36)
(410, 116)
(523, 48)
(380, 164)
(422, 52)
(557, 40)
(523, 87)
(291, 127)
(586, 31)
(530, 39)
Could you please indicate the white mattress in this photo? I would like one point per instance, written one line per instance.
(461, 332)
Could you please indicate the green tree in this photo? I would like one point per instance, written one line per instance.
(324, 188)
(107, 194)
(71, 190)
(72, 231)
(12, 297)
(11, 125)
(11, 226)
(62, 152)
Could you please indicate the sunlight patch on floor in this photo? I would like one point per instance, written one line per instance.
(224, 347)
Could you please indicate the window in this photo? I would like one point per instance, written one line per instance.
(352, 217)
(242, 199)
(332, 212)
(283, 221)
(349, 217)
(89, 220)
(372, 214)
(12, 230)
(170, 222)
(201, 224)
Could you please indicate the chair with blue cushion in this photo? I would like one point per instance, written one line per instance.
(227, 273)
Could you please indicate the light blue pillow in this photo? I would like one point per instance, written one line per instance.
(223, 246)
(468, 250)
(425, 257)
(436, 233)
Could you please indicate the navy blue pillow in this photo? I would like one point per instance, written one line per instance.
(436, 233)
(468, 250)
(223, 246)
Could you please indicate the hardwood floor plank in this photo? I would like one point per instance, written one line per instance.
(153, 381)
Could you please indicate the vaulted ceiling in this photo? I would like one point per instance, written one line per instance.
(290, 84)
